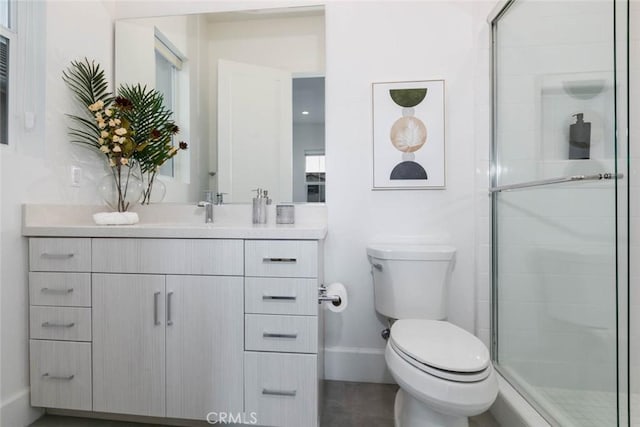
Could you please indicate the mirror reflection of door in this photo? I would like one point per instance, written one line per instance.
(270, 134)
(254, 131)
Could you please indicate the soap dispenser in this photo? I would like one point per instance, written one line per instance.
(579, 138)
(260, 203)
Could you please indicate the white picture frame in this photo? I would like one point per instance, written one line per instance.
(408, 135)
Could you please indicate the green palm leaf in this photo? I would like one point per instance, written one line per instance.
(152, 123)
(88, 83)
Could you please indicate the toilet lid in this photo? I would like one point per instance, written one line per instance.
(440, 344)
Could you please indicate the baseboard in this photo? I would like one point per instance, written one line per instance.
(17, 410)
(356, 364)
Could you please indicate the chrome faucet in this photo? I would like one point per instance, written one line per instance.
(208, 211)
(207, 204)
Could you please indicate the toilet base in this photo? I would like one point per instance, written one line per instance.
(410, 412)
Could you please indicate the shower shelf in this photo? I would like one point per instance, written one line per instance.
(541, 182)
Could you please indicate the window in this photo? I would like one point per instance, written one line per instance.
(168, 65)
(6, 36)
(166, 84)
(315, 177)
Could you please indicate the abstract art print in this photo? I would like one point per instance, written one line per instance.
(408, 135)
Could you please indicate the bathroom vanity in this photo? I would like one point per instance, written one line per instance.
(176, 321)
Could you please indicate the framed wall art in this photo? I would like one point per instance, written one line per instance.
(408, 135)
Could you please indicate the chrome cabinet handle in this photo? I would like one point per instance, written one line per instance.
(55, 377)
(280, 260)
(58, 325)
(269, 392)
(279, 297)
(57, 256)
(279, 335)
(156, 297)
(169, 321)
(56, 291)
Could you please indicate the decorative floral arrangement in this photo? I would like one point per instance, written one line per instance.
(134, 130)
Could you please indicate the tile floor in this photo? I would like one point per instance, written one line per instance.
(346, 404)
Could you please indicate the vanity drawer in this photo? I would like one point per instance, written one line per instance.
(222, 257)
(60, 323)
(282, 389)
(295, 334)
(63, 289)
(281, 258)
(61, 374)
(55, 254)
(281, 296)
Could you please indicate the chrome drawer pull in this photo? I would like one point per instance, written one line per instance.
(268, 392)
(54, 377)
(156, 297)
(278, 335)
(56, 291)
(280, 260)
(58, 325)
(169, 320)
(279, 297)
(57, 256)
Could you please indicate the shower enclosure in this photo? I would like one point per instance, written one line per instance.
(561, 209)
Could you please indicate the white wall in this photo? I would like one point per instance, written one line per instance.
(482, 142)
(394, 41)
(35, 170)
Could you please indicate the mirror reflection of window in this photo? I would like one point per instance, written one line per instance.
(168, 65)
(315, 177)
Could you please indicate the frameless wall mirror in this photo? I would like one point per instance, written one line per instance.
(247, 91)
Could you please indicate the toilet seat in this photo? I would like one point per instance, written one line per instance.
(440, 349)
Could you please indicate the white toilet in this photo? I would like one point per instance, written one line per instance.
(444, 372)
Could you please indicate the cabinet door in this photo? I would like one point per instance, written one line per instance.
(129, 344)
(204, 345)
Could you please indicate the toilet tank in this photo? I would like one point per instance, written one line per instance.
(411, 281)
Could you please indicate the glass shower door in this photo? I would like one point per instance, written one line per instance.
(555, 199)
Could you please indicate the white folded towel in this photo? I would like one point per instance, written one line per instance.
(116, 218)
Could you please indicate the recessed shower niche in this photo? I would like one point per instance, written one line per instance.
(566, 100)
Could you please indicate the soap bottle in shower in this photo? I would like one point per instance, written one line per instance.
(579, 138)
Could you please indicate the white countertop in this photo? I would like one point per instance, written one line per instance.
(173, 221)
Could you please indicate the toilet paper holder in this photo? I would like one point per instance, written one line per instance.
(322, 296)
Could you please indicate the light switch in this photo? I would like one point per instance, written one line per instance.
(76, 176)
